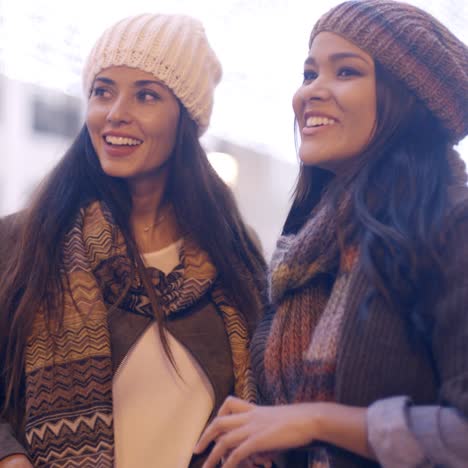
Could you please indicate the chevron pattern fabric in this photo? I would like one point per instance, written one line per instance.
(69, 368)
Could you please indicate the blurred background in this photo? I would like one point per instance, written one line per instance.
(261, 43)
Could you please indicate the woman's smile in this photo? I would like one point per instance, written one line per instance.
(132, 119)
(336, 105)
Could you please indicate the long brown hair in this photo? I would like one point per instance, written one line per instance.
(204, 207)
(398, 189)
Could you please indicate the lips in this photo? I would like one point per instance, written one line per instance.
(317, 121)
(121, 141)
(117, 145)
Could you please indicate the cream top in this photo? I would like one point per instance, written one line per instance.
(159, 416)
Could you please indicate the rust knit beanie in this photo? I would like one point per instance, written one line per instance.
(415, 47)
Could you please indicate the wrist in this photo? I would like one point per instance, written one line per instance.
(340, 425)
(318, 421)
(312, 421)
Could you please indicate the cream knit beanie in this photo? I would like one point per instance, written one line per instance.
(174, 48)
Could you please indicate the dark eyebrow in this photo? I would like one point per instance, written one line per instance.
(104, 80)
(138, 84)
(338, 56)
(141, 83)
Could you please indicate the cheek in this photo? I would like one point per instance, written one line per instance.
(361, 110)
(297, 104)
(92, 119)
(162, 130)
(371, 114)
(172, 126)
(371, 101)
(94, 124)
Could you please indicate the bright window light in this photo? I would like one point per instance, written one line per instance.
(226, 166)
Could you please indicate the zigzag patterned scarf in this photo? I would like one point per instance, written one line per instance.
(69, 375)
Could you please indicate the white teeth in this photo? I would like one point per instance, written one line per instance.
(319, 121)
(115, 140)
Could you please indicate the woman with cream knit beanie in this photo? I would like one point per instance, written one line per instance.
(362, 361)
(172, 48)
(130, 286)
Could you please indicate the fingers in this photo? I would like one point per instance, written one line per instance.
(248, 464)
(261, 460)
(227, 420)
(234, 405)
(223, 447)
(244, 450)
(219, 426)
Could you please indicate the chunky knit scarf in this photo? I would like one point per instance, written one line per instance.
(309, 285)
(69, 374)
(310, 282)
(301, 350)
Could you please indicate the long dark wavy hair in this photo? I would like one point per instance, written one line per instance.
(204, 208)
(398, 197)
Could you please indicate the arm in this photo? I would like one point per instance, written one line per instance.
(401, 434)
(386, 429)
(242, 429)
(12, 453)
(405, 435)
(389, 430)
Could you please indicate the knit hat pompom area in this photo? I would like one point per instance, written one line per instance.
(173, 48)
(413, 46)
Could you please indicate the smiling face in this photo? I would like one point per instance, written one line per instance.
(335, 107)
(132, 119)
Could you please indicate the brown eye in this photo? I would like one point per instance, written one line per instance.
(348, 71)
(100, 91)
(309, 75)
(147, 96)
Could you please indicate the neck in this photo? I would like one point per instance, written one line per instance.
(152, 221)
(147, 196)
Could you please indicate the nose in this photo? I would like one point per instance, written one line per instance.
(317, 89)
(119, 112)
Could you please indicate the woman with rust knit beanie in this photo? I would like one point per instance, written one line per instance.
(362, 360)
(130, 287)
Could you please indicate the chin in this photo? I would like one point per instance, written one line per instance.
(112, 170)
(330, 161)
(313, 159)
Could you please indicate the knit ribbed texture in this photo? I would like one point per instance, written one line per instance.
(314, 345)
(300, 357)
(301, 350)
(173, 48)
(415, 47)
